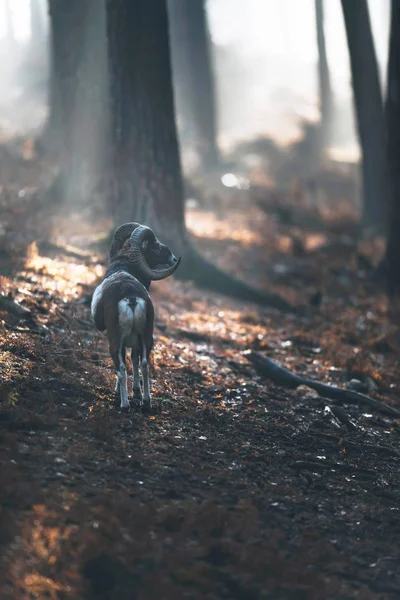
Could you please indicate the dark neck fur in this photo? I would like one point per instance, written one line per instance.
(124, 264)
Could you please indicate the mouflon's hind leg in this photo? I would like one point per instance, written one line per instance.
(136, 394)
(117, 390)
(118, 356)
(146, 382)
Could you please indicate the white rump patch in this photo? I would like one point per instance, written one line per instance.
(140, 315)
(125, 317)
(131, 321)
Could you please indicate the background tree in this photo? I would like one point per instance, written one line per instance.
(66, 20)
(38, 34)
(77, 122)
(193, 76)
(391, 261)
(368, 109)
(146, 170)
(325, 90)
(10, 34)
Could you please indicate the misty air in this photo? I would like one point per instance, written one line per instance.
(199, 299)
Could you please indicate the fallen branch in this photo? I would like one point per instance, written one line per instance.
(282, 376)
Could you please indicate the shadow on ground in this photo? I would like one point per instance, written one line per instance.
(233, 488)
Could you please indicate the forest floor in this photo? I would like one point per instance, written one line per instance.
(234, 487)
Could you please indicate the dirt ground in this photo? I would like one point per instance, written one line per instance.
(234, 488)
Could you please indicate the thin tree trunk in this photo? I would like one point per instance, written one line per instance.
(9, 22)
(391, 261)
(37, 43)
(369, 109)
(325, 90)
(50, 139)
(193, 74)
(146, 171)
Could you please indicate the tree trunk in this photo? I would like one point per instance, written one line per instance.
(391, 261)
(147, 182)
(369, 109)
(66, 21)
(146, 171)
(10, 34)
(77, 121)
(193, 75)
(38, 34)
(325, 90)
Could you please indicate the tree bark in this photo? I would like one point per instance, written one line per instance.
(368, 108)
(146, 170)
(391, 261)
(75, 130)
(38, 35)
(193, 75)
(146, 178)
(325, 90)
(66, 21)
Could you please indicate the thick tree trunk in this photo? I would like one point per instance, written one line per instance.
(391, 261)
(147, 182)
(325, 90)
(193, 75)
(146, 171)
(77, 121)
(369, 109)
